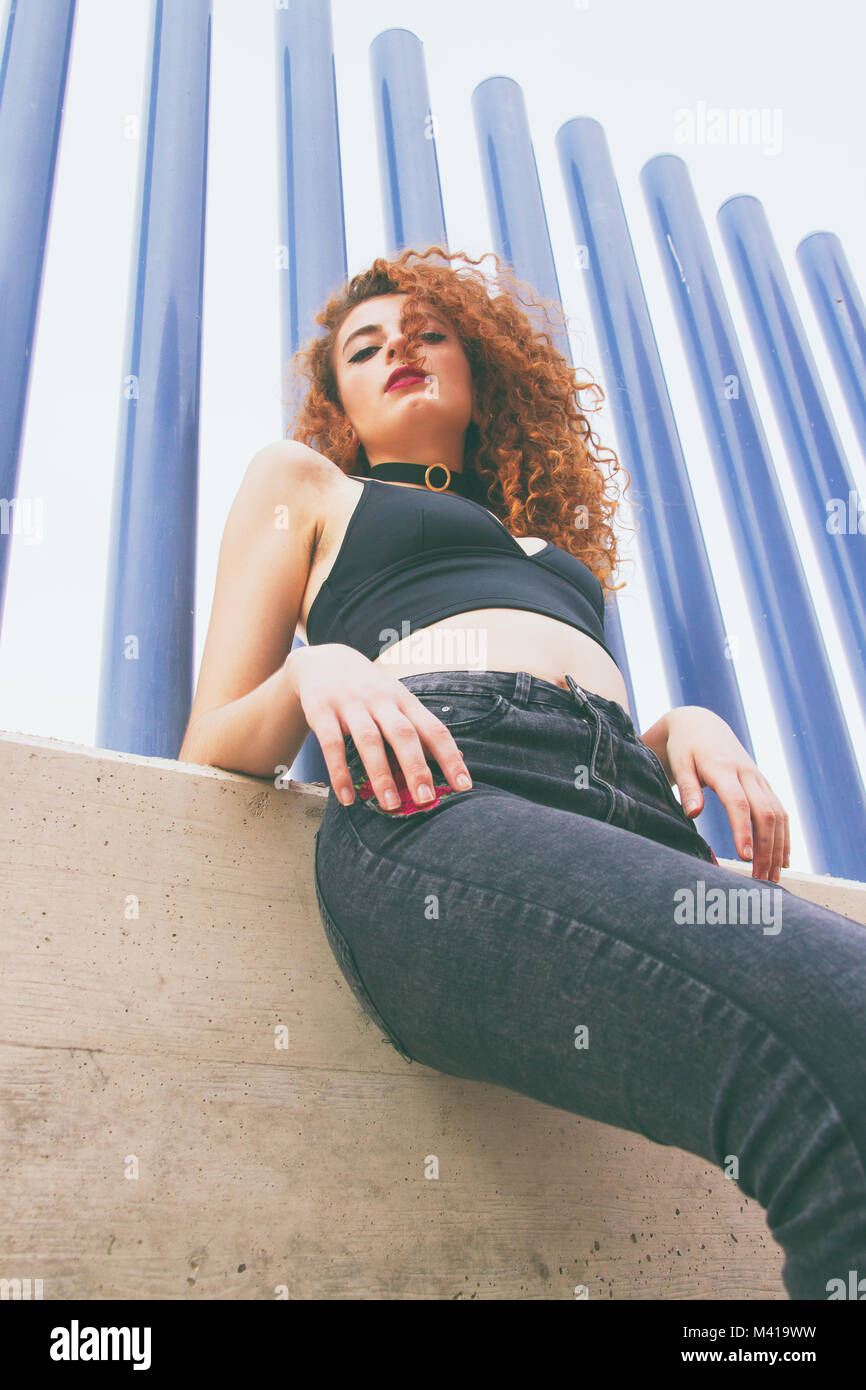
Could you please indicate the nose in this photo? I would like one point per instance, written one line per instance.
(396, 341)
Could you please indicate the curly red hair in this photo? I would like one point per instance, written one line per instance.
(536, 462)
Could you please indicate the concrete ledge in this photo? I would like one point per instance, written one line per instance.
(193, 1105)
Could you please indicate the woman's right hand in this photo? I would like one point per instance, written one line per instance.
(341, 691)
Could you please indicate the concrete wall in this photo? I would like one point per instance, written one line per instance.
(195, 1106)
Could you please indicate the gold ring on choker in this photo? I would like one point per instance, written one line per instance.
(447, 471)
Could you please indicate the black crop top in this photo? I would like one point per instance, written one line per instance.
(411, 556)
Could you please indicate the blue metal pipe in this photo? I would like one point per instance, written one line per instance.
(515, 205)
(33, 73)
(818, 461)
(830, 793)
(311, 216)
(680, 582)
(147, 657)
(521, 237)
(406, 139)
(839, 308)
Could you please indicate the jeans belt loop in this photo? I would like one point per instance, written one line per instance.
(522, 687)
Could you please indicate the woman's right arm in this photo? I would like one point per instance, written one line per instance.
(246, 716)
(256, 734)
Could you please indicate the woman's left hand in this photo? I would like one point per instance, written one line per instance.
(703, 751)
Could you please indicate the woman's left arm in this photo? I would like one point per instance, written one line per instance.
(701, 750)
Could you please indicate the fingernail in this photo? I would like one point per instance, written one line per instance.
(463, 780)
(392, 800)
(425, 793)
(346, 797)
(747, 849)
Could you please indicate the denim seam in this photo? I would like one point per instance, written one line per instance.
(594, 771)
(492, 895)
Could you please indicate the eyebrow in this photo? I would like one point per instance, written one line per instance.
(377, 328)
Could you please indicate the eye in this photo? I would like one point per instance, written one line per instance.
(361, 356)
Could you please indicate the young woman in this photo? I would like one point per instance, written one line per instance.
(540, 919)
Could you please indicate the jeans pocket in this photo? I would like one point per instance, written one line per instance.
(443, 794)
(349, 969)
(465, 711)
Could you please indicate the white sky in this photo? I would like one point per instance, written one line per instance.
(628, 64)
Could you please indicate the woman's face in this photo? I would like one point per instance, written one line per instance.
(422, 420)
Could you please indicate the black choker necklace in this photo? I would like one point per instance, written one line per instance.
(435, 476)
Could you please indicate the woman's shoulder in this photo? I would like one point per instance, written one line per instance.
(287, 458)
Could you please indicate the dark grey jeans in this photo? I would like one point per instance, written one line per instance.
(563, 930)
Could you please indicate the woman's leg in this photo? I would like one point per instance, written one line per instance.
(567, 957)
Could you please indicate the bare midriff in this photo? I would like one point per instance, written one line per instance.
(481, 639)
